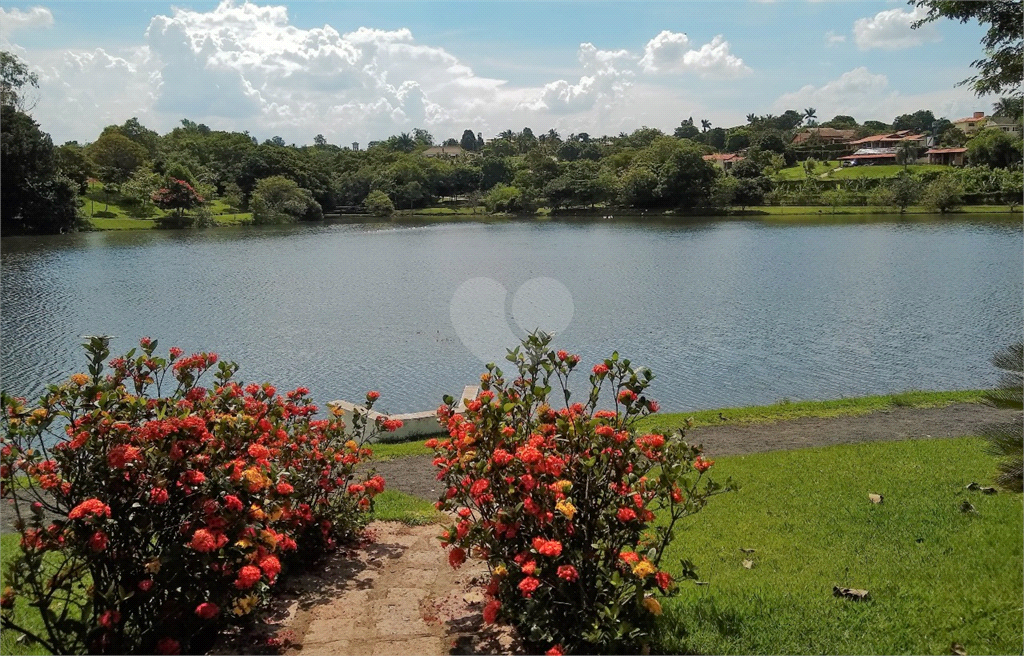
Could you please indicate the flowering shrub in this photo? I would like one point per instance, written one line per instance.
(173, 507)
(178, 195)
(570, 507)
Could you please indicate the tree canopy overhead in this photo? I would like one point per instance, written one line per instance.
(1002, 68)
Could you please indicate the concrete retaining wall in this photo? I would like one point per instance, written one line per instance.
(414, 424)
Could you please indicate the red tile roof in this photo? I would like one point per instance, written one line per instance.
(875, 156)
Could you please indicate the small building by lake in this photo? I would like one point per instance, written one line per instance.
(947, 156)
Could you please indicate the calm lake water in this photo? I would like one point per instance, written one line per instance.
(724, 313)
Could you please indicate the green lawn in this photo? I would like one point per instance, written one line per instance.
(23, 614)
(395, 506)
(935, 575)
(115, 214)
(852, 172)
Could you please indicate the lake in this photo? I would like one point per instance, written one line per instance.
(724, 313)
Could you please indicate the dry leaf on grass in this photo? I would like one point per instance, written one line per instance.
(958, 649)
(849, 593)
(876, 498)
(749, 564)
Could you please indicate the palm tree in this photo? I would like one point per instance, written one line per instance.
(554, 137)
(705, 124)
(751, 118)
(810, 114)
(508, 135)
(906, 152)
(1009, 107)
(1005, 440)
(405, 143)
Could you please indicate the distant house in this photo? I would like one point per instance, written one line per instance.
(971, 124)
(724, 161)
(824, 136)
(890, 140)
(870, 156)
(1004, 123)
(946, 156)
(444, 151)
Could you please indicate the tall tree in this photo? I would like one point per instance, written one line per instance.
(15, 81)
(1012, 107)
(1005, 441)
(468, 141)
(810, 115)
(116, 156)
(1002, 68)
(705, 125)
(34, 196)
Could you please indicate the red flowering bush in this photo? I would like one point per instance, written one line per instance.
(570, 507)
(152, 509)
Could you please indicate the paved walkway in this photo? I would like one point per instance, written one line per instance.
(394, 595)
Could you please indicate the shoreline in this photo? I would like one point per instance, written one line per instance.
(768, 213)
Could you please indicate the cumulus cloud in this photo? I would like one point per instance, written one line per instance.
(891, 30)
(869, 96)
(670, 52)
(607, 76)
(16, 19)
(243, 66)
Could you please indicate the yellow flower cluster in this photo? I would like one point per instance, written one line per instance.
(79, 379)
(644, 568)
(566, 508)
(245, 605)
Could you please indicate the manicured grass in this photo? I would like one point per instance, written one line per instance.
(854, 172)
(23, 614)
(394, 450)
(395, 506)
(936, 575)
(114, 215)
(751, 414)
(795, 409)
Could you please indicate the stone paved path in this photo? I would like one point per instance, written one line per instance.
(394, 595)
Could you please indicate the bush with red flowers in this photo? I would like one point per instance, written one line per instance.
(570, 507)
(153, 509)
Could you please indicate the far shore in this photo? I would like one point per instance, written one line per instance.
(772, 213)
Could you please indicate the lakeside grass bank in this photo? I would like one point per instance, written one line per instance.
(936, 575)
(767, 213)
(781, 411)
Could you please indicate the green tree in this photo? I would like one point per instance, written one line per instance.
(810, 116)
(835, 198)
(526, 141)
(116, 157)
(737, 140)
(468, 141)
(422, 137)
(919, 121)
(639, 187)
(943, 194)
(995, 148)
(503, 198)
(841, 122)
(378, 203)
(905, 191)
(1002, 68)
(15, 81)
(279, 200)
(139, 190)
(723, 191)
(685, 179)
(1006, 440)
(34, 196)
(686, 130)
(494, 170)
(953, 137)
(72, 162)
(1011, 188)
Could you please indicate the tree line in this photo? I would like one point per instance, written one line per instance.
(516, 171)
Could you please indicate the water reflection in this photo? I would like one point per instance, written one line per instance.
(725, 313)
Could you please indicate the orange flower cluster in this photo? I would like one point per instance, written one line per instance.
(549, 495)
(242, 477)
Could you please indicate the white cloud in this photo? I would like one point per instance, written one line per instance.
(16, 19)
(891, 30)
(670, 52)
(242, 66)
(869, 96)
(831, 37)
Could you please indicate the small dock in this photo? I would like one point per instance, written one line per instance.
(414, 424)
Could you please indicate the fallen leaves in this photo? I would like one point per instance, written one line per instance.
(749, 564)
(850, 593)
(876, 498)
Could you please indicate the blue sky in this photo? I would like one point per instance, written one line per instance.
(358, 71)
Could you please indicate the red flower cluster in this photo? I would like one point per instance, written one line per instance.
(242, 477)
(548, 496)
